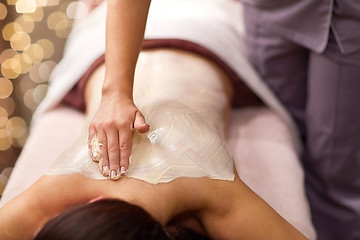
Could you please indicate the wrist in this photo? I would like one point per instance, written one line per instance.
(116, 94)
(118, 89)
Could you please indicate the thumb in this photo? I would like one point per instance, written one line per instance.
(140, 124)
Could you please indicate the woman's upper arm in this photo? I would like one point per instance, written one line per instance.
(20, 217)
(237, 212)
(29, 211)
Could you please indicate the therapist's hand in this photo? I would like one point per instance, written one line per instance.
(113, 124)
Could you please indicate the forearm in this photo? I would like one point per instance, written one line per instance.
(125, 26)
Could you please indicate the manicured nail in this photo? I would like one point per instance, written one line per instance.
(114, 175)
(105, 170)
(123, 170)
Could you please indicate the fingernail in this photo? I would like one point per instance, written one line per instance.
(123, 170)
(105, 170)
(114, 175)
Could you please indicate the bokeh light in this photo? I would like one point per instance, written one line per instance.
(36, 16)
(3, 11)
(8, 53)
(10, 29)
(44, 71)
(11, 68)
(34, 73)
(44, 3)
(26, 22)
(5, 140)
(32, 34)
(8, 104)
(25, 6)
(59, 22)
(6, 88)
(35, 52)
(4, 176)
(47, 46)
(11, 2)
(29, 99)
(15, 126)
(20, 41)
(25, 62)
(40, 92)
(17, 129)
(40, 72)
(3, 117)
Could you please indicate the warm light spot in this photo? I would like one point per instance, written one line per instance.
(42, 3)
(8, 104)
(3, 180)
(38, 15)
(3, 117)
(25, 62)
(35, 52)
(47, 46)
(7, 172)
(16, 126)
(8, 53)
(44, 72)
(10, 29)
(19, 41)
(3, 112)
(25, 6)
(11, 2)
(3, 11)
(34, 73)
(50, 64)
(26, 22)
(20, 141)
(57, 20)
(77, 10)
(3, 121)
(6, 88)
(40, 92)
(50, 2)
(40, 72)
(11, 68)
(62, 33)
(23, 86)
(5, 140)
(29, 99)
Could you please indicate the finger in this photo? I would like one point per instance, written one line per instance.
(125, 151)
(92, 133)
(104, 160)
(140, 124)
(113, 153)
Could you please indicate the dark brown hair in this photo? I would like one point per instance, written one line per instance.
(109, 219)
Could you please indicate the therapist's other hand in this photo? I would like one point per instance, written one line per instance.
(112, 125)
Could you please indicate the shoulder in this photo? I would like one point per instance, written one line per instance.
(40, 202)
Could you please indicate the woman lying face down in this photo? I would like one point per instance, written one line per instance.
(199, 198)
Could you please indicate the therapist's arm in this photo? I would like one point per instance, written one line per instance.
(117, 114)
